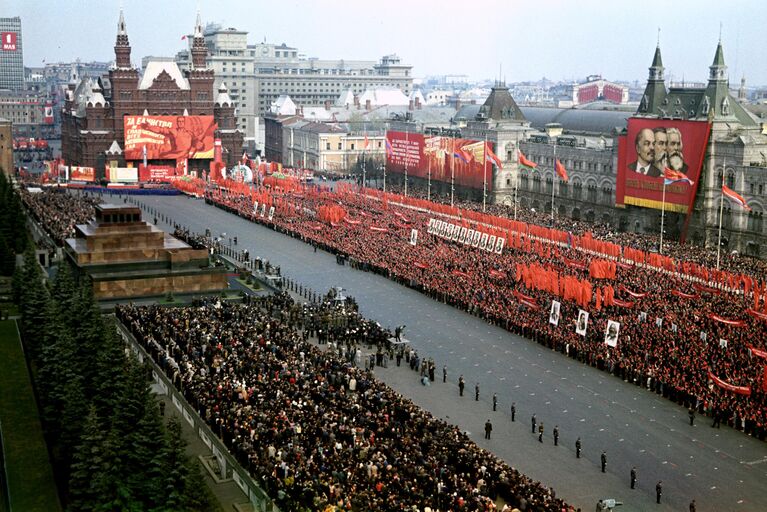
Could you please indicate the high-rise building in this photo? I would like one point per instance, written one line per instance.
(257, 75)
(11, 55)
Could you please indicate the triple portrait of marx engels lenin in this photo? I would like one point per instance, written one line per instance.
(656, 149)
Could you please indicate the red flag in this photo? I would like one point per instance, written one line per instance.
(183, 38)
(489, 155)
(730, 193)
(561, 170)
(524, 161)
(367, 142)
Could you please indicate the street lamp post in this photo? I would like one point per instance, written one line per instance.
(553, 130)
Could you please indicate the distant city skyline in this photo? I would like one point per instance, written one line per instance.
(518, 41)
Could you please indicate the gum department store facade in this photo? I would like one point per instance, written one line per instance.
(589, 150)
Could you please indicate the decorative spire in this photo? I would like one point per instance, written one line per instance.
(656, 68)
(199, 49)
(198, 26)
(718, 67)
(121, 25)
(122, 45)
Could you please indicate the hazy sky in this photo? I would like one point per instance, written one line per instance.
(558, 39)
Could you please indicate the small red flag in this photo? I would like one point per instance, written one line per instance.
(524, 161)
(183, 38)
(561, 170)
(492, 157)
(727, 191)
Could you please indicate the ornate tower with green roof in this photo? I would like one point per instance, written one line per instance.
(655, 92)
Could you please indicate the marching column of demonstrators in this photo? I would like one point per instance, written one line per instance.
(699, 345)
(601, 231)
(316, 430)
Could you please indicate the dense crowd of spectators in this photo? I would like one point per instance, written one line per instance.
(317, 431)
(603, 231)
(667, 342)
(59, 212)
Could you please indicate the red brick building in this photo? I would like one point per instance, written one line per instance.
(93, 132)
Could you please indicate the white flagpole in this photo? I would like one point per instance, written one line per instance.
(662, 215)
(553, 179)
(484, 177)
(428, 186)
(407, 150)
(452, 170)
(516, 187)
(721, 209)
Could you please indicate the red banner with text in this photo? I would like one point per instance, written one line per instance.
(441, 158)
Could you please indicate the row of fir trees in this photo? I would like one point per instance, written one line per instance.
(109, 445)
(13, 234)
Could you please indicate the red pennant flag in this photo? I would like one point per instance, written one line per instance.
(492, 157)
(524, 161)
(561, 170)
(730, 193)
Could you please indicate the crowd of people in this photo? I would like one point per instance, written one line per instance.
(603, 231)
(686, 343)
(59, 212)
(317, 431)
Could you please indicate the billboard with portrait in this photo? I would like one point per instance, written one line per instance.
(440, 158)
(649, 147)
(169, 137)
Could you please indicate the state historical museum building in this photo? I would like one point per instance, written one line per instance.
(172, 119)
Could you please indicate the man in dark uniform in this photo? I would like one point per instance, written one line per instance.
(717, 419)
(534, 423)
(476, 392)
(461, 385)
(693, 507)
(578, 448)
(495, 402)
(513, 410)
(658, 491)
(444, 373)
(540, 432)
(488, 429)
(603, 459)
(556, 435)
(691, 414)
(633, 477)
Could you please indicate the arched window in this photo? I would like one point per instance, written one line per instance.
(726, 217)
(592, 193)
(755, 221)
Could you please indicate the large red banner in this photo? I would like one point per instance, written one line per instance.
(650, 146)
(440, 157)
(155, 173)
(82, 173)
(169, 137)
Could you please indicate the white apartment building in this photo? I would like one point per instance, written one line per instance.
(258, 74)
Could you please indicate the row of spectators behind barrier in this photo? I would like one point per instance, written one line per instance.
(318, 432)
